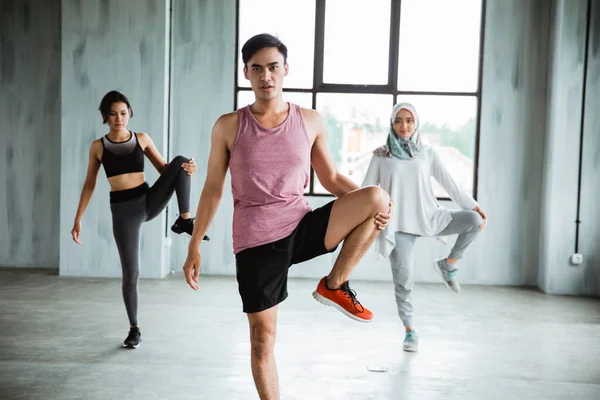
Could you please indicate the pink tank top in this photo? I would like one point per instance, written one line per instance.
(270, 169)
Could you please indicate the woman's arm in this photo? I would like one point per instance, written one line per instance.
(156, 159)
(443, 177)
(151, 152)
(89, 185)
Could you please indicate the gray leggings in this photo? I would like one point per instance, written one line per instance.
(464, 223)
(130, 208)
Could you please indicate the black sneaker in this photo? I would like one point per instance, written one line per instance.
(134, 338)
(185, 227)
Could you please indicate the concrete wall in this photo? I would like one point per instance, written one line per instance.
(203, 61)
(29, 132)
(561, 163)
(109, 45)
(557, 274)
(589, 238)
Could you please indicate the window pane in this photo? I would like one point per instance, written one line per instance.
(284, 19)
(357, 41)
(439, 51)
(448, 123)
(302, 99)
(246, 97)
(356, 125)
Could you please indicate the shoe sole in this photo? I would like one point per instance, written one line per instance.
(126, 346)
(188, 236)
(437, 269)
(410, 350)
(325, 301)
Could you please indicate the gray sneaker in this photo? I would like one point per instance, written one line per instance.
(411, 341)
(449, 277)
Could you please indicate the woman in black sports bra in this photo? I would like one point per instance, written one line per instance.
(132, 200)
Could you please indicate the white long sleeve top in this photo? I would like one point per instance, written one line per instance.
(408, 182)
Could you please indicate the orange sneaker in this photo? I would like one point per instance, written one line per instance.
(344, 299)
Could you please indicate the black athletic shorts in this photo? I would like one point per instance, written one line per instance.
(262, 271)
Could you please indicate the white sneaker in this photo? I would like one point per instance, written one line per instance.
(411, 342)
(449, 277)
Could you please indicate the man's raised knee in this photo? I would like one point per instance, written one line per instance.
(378, 198)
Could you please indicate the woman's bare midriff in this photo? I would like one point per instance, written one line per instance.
(126, 181)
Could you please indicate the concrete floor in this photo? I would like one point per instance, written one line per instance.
(60, 338)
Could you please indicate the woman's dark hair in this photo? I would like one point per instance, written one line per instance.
(262, 41)
(109, 98)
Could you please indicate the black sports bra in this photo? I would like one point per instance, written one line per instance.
(122, 157)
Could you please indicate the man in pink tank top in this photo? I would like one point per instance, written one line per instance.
(269, 147)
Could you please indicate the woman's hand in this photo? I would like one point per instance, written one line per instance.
(76, 231)
(189, 167)
(483, 215)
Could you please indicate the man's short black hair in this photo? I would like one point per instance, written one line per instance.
(262, 41)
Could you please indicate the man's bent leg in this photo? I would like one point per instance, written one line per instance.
(263, 328)
(353, 221)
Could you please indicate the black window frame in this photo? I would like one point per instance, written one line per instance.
(391, 88)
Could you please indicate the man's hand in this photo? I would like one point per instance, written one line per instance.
(483, 215)
(191, 268)
(76, 231)
(189, 167)
(382, 219)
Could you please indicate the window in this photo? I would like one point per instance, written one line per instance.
(356, 41)
(353, 60)
(293, 22)
(356, 124)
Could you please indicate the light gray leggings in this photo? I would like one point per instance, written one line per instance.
(464, 223)
(130, 208)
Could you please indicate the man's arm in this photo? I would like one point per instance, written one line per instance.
(321, 160)
(218, 161)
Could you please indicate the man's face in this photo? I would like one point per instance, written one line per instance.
(265, 71)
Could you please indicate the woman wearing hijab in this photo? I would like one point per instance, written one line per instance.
(404, 167)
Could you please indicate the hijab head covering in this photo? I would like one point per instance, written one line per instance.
(404, 148)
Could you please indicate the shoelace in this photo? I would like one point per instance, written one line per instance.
(449, 275)
(352, 296)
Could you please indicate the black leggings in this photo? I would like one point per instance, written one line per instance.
(130, 208)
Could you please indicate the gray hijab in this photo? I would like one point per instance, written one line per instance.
(401, 148)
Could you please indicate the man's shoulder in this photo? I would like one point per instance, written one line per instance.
(227, 123)
(227, 119)
(313, 120)
(310, 114)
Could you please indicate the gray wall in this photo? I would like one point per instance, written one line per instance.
(561, 164)
(589, 238)
(202, 89)
(557, 274)
(511, 139)
(29, 132)
(107, 45)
